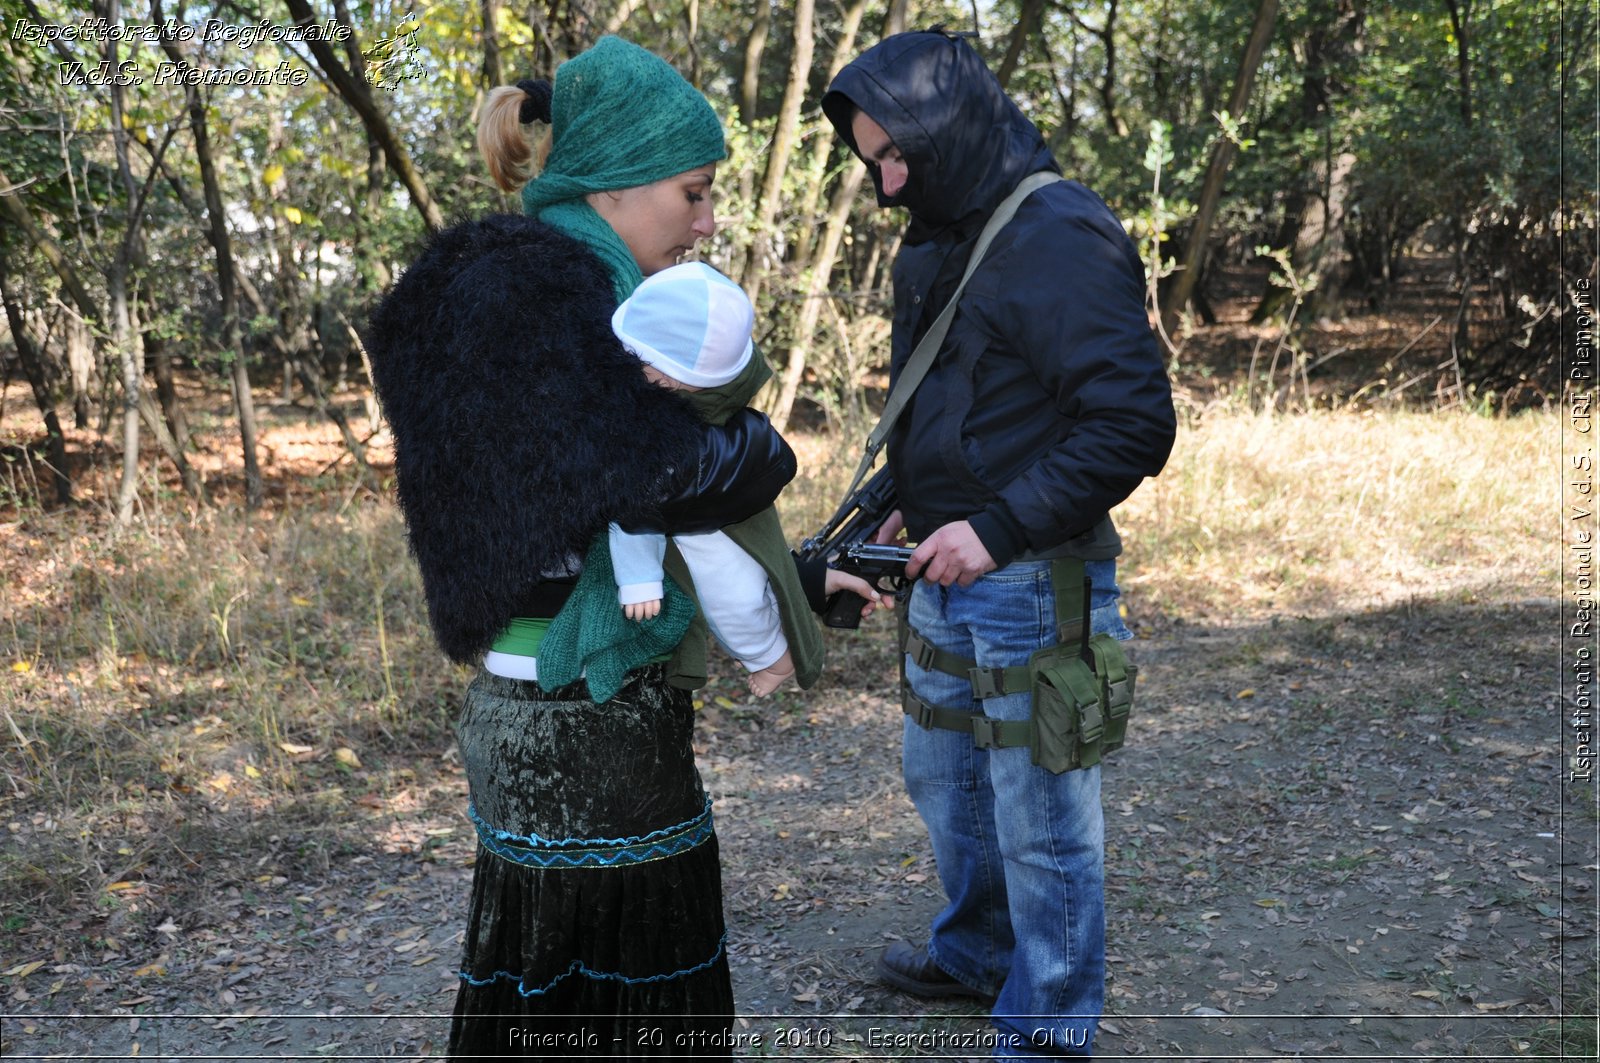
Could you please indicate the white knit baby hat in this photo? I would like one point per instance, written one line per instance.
(689, 322)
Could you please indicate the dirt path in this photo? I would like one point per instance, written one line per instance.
(1341, 836)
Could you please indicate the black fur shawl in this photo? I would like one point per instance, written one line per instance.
(521, 424)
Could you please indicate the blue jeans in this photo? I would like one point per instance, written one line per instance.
(1020, 851)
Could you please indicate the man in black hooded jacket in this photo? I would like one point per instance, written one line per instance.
(1046, 406)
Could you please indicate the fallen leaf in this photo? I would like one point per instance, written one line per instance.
(294, 749)
(23, 970)
(347, 756)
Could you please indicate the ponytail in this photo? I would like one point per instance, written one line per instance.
(505, 143)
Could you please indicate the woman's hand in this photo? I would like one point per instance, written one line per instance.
(844, 581)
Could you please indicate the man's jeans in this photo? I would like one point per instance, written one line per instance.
(1020, 850)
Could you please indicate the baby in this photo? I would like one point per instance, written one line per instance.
(691, 327)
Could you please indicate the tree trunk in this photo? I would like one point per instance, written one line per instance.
(1459, 14)
(1108, 85)
(783, 139)
(357, 93)
(691, 18)
(845, 48)
(33, 368)
(491, 44)
(222, 244)
(310, 378)
(825, 137)
(844, 196)
(1314, 215)
(155, 349)
(750, 76)
(80, 367)
(1320, 249)
(1062, 143)
(1217, 169)
(293, 321)
(117, 289)
(1030, 22)
(894, 20)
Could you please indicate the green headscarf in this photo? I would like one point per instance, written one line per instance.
(620, 117)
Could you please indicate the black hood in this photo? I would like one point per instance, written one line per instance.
(966, 145)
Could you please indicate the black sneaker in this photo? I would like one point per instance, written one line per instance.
(910, 970)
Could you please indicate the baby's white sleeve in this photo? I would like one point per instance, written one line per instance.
(636, 563)
(736, 597)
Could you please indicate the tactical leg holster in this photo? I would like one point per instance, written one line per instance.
(1082, 687)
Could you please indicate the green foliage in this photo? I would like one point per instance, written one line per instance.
(320, 222)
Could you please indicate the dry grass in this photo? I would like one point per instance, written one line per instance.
(178, 694)
(209, 683)
(1258, 512)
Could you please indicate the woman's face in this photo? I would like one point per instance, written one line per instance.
(661, 222)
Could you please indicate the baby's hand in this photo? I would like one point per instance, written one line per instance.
(642, 610)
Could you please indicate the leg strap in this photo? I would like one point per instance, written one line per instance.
(986, 731)
(1071, 588)
(986, 682)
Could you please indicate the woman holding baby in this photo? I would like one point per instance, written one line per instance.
(541, 473)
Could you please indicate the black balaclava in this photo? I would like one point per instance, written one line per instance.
(965, 143)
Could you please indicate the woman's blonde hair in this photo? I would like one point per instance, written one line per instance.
(512, 150)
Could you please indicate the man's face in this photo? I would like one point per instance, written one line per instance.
(879, 151)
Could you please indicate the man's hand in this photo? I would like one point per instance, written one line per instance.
(844, 581)
(953, 554)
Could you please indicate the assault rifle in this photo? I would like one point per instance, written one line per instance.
(845, 543)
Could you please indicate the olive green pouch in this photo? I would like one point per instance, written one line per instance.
(1116, 678)
(1082, 686)
(1068, 726)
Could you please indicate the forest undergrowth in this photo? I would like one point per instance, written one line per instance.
(217, 721)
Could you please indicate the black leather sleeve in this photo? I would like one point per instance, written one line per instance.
(814, 580)
(744, 463)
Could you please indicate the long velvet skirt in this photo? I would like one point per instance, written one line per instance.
(595, 927)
